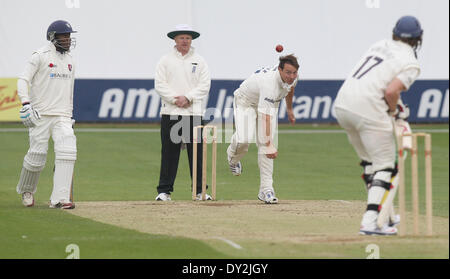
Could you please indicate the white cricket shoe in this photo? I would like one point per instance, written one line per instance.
(374, 230)
(28, 199)
(207, 197)
(395, 221)
(268, 197)
(163, 197)
(236, 169)
(62, 205)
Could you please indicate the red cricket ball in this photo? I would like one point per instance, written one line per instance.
(279, 48)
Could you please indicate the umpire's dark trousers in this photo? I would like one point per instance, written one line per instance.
(176, 129)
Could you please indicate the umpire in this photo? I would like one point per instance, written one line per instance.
(183, 81)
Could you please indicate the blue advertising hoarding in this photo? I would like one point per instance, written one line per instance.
(105, 100)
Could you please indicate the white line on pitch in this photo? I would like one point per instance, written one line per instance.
(229, 242)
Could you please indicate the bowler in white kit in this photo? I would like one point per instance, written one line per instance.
(366, 105)
(256, 104)
(45, 89)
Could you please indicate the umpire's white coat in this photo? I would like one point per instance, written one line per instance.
(182, 75)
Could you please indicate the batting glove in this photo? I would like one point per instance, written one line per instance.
(403, 111)
(29, 116)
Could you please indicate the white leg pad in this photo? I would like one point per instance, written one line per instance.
(369, 219)
(33, 164)
(66, 148)
(375, 195)
(65, 157)
(62, 181)
(28, 181)
(35, 161)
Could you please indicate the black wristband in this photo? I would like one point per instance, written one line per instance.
(26, 103)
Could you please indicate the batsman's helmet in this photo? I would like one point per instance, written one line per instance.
(61, 27)
(58, 27)
(408, 30)
(408, 27)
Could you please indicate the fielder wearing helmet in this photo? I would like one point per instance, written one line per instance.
(59, 34)
(408, 30)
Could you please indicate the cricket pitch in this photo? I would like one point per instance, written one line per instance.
(245, 227)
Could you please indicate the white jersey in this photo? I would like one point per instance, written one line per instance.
(50, 76)
(363, 91)
(178, 75)
(264, 89)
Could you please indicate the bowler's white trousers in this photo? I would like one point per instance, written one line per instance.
(248, 126)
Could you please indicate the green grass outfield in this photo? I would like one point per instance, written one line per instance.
(124, 166)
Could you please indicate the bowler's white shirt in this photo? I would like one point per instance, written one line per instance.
(363, 91)
(50, 76)
(264, 89)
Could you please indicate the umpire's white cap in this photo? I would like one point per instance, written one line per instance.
(183, 29)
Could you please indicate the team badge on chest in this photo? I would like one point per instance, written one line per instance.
(194, 67)
(70, 67)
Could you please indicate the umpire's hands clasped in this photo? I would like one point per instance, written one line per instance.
(182, 102)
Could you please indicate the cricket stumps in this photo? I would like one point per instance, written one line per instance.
(415, 184)
(204, 141)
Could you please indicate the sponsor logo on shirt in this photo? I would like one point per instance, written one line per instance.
(266, 69)
(272, 101)
(60, 76)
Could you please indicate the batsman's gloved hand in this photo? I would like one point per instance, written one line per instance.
(402, 111)
(29, 116)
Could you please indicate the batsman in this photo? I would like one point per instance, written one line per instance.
(45, 89)
(366, 106)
